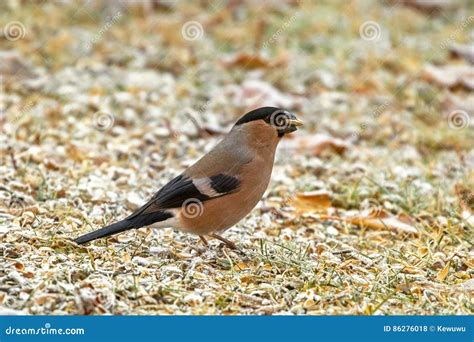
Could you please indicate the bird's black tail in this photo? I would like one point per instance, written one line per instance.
(114, 228)
(131, 222)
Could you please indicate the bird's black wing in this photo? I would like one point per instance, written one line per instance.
(172, 195)
(182, 188)
(224, 184)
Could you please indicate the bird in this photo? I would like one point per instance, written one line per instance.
(221, 188)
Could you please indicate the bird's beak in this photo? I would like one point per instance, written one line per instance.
(290, 126)
(296, 122)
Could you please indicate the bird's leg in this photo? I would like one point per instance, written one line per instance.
(204, 241)
(228, 243)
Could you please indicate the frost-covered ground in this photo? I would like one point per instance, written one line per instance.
(370, 206)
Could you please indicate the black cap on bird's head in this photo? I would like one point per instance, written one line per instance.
(282, 120)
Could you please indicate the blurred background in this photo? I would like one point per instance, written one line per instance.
(370, 209)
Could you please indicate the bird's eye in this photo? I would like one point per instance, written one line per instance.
(280, 119)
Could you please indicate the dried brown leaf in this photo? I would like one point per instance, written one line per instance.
(311, 201)
(450, 76)
(380, 220)
(452, 103)
(316, 144)
(444, 272)
(462, 51)
(257, 93)
(241, 266)
(253, 61)
(428, 6)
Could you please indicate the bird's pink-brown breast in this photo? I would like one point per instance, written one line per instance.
(251, 162)
(223, 212)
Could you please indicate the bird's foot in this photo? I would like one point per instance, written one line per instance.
(198, 248)
(228, 243)
(204, 241)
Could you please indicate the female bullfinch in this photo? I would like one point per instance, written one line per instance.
(221, 188)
